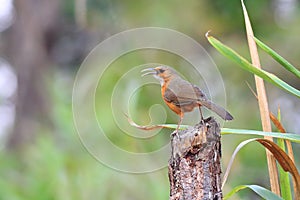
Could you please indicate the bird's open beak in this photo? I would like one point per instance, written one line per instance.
(149, 71)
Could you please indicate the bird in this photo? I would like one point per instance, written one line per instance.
(182, 96)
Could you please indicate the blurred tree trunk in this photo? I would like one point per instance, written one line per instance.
(29, 41)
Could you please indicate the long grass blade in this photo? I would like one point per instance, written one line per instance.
(224, 131)
(284, 179)
(278, 58)
(243, 63)
(287, 136)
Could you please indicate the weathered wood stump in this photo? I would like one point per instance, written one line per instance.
(194, 167)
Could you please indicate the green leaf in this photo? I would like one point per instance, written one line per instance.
(288, 136)
(284, 179)
(262, 192)
(277, 57)
(243, 63)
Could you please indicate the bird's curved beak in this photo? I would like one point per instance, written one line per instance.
(149, 71)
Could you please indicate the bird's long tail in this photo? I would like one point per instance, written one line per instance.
(217, 109)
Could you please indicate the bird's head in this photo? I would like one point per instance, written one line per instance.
(162, 73)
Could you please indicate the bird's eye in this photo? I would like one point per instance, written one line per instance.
(161, 70)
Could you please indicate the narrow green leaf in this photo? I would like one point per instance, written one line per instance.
(288, 136)
(284, 179)
(225, 131)
(261, 191)
(277, 57)
(231, 54)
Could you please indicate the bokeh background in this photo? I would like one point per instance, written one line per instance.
(43, 43)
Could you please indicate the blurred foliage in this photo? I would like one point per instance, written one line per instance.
(57, 166)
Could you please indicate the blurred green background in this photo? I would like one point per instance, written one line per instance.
(43, 44)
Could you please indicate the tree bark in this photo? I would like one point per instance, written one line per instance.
(194, 167)
(28, 53)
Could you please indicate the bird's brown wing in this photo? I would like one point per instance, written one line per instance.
(171, 97)
(184, 92)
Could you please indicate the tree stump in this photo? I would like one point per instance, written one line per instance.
(194, 167)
